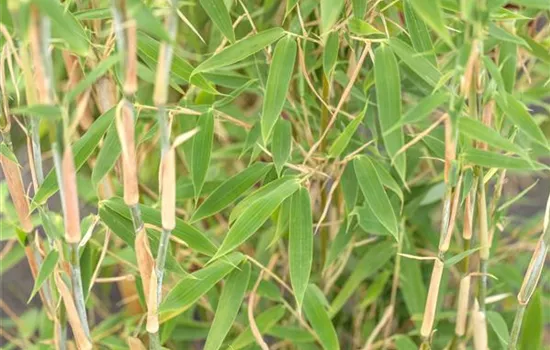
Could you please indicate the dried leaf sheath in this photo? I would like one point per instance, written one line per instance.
(70, 194)
(431, 301)
(126, 135)
(12, 173)
(81, 339)
(168, 190)
(144, 259)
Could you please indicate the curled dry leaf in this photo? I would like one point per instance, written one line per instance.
(81, 339)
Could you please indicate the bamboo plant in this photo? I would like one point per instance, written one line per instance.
(275, 174)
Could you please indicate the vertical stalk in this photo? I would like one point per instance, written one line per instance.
(167, 176)
(63, 158)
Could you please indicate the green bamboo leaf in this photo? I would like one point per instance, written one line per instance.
(459, 257)
(15, 255)
(375, 195)
(300, 244)
(264, 321)
(519, 116)
(373, 260)
(344, 138)
(502, 34)
(240, 50)
(319, 319)
(359, 8)
(82, 150)
(231, 189)
(96, 13)
(477, 130)
(403, 342)
(536, 49)
(432, 14)
(418, 63)
(330, 53)
(499, 326)
(148, 50)
(495, 74)
(146, 20)
(533, 325)
(46, 112)
(65, 26)
(411, 284)
(330, 12)
(387, 180)
(122, 225)
(255, 216)
(281, 144)
(278, 80)
(89, 78)
(375, 289)
(218, 13)
(108, 155)
(340, 242)
(189, 289)
(388, 97)
(419, 33)
(46, 269)
(497, 160)
(292, 334)
(6, 152)
(360, 27)
(369, 222)
(283, 221)
(349, 186)
(508, 71)
(536, 4)
(229, 304)
(202, 150)
(256, 195)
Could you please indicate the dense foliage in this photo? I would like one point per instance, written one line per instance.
(296, 174)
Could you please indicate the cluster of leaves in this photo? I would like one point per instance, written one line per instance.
(329, 135)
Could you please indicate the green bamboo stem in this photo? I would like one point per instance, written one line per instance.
(45, 61)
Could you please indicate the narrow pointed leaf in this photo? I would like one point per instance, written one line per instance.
(46, 269)
(183, 231)
(373, 260)
(319, 319)
(417, 62)
(419, 33)
(264, 321)
(216, 10)
(479, 131)
(188, 290)
(344, 138)
(256, 195)
(202, 149)
(375, 195)
(240, 50)
(519, 116)
(281, 144)
(229, 304)
(330, 12)
(230, 190)
(300, 243)
(108, 155)
(388, 97)
(498, 160)
(330, 53)
(431, 12)
(278, 80)
(255, 216)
